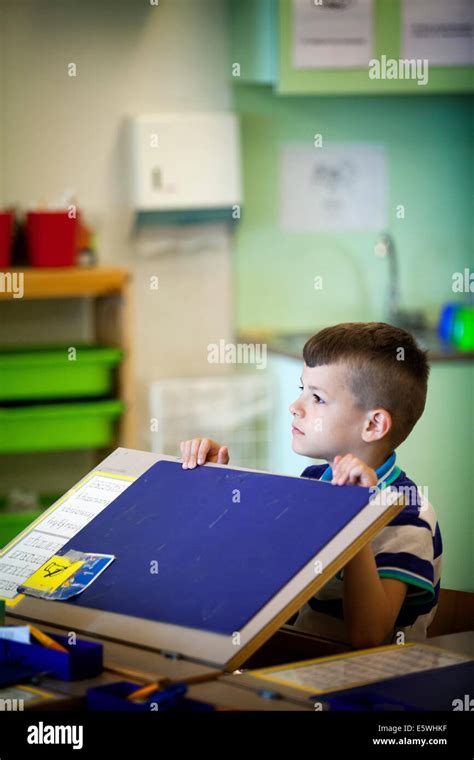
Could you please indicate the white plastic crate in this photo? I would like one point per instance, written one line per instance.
(235, 410)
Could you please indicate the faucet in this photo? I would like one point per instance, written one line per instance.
(408, 319)
(385, 248)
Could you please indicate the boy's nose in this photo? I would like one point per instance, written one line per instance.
(295, 409)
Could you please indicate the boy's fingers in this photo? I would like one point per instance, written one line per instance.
(342, 470)
(336, 465)
(355, 473)
(223, 456)
(342, 479)
(186, 450)
(350, 469)
(368, 479)
(339, 477)
(195, 443)
(203, 450)
(343, 461)
(354, 470)
(362, 475)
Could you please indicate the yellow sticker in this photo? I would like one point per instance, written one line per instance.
(52, 574)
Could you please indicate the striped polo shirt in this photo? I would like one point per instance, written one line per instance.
(408, 548)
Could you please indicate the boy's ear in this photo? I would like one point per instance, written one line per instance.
(378, 424)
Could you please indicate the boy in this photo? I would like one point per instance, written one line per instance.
(363, 388)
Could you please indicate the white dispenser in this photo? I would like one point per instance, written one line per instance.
(185, 162)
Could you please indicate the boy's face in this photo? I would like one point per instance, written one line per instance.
(326, 414)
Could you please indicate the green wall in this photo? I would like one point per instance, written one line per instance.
(428, 139)
(429, 149)
(430, 172)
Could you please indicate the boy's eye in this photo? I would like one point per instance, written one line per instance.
(315, 395)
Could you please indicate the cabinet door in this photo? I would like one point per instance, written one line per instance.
(253, 41)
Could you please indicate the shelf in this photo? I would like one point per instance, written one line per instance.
(110, 290)
(68, 282)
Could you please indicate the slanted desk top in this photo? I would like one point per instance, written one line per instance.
(238, 552)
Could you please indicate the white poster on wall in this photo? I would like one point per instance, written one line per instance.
(440, 31)
(335, 34)
(337, 188)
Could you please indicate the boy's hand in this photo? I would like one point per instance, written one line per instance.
(200, 450)
(351, 470)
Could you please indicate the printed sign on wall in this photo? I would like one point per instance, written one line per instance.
(334, 34)
(336, 188)
(440, 31)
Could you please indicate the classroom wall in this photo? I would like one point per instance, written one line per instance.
(62, 132)
(429, 168)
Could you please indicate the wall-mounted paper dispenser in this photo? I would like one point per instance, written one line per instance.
(186, 166)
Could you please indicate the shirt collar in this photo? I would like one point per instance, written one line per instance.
(386, 473)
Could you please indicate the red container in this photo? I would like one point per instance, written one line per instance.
(6, 235)
(51, 238)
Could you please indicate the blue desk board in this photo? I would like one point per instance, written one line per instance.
(220, 561)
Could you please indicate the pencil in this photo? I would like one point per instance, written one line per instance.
(144, 691)
(46, 640)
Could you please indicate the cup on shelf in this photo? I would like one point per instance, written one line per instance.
(51, 238)
(6, 237)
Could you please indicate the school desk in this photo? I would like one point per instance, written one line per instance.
(243, 691)
(209, 563)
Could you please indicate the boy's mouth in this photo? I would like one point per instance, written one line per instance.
(296, 431)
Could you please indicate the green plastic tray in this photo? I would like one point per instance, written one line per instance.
(47, 373)
(11, 524)
(54, 427)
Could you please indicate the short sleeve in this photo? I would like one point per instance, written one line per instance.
(404, 551)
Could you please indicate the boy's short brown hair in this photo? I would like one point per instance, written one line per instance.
(386, 369)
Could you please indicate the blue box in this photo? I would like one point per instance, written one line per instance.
(83, 659)
(113, 696)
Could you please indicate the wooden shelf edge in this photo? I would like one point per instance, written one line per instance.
(63, 282)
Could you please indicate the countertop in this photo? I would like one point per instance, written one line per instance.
(291, 345)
